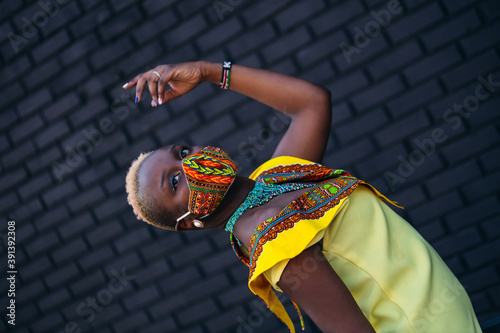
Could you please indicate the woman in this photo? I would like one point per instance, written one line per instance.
(323, 237)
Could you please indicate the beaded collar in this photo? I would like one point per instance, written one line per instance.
(261, 194)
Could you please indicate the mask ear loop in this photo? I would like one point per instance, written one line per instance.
(180, 219)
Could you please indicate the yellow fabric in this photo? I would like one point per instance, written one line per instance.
(397, 279)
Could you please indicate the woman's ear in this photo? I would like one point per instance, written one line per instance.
(188, 222)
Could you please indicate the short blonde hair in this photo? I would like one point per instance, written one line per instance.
(132, 187)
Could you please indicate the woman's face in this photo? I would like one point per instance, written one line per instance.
(162, 177)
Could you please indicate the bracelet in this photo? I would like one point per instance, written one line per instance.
(226, 74)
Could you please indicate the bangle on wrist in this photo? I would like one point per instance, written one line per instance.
(226, 74)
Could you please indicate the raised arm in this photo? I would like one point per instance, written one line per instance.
(307, 104)
(322, 294)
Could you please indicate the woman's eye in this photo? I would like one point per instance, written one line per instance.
(184, 152)
(174, 181)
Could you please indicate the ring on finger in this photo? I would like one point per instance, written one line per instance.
(157, 74)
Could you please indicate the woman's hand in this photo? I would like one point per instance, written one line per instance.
(182, 78)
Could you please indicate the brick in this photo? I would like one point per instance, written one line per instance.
(87, 283)
(64, 16)
(198, 312)
(78, 49)
(150, 28)
(288, 43)
(486, 115)
(415, 22)
(490, 159)
(156, 270)
(353, 56)
(134, 321)
(458, 242)
(30, 291)
(452, 178)
(52, 218)
(298, 12)
(92, 109)
(413, 99)
(451, 30)
(47, 322)
(109, 145)
(27, 210)
(470, 215)
(221, 33)
(89, 198)
(18, 154)
(362, 124)
(103, 233)
(472, 144)
(191, 253)
(432, 231)
(210, 131)
(59, 192)
(110, 53)
(259, 11)
(41, 74)
(76, 226)
(185, 31)
(140, 299)
(91, 20)
(322, 48)
(11, 94)
(206, 288)
(453, 6)
(436, 208)
(164, 308)
(166, 325)
(26, 128)
(61, 276)
(218, 106)
(394, 59)
(483, 255)
(18, 67)
(125, 157)
(469, 71)
(153, 7)
(251, 40)
(61, 106)
(96, 173)
(71, 77)
(481, 40)
(51, 133)
(96, 258)
(12, 178)
(380, 162)
(8, 201)
(377, 93)
(226, 320)
(402, 129)
(130, 241)
(156, 249)
(337, 16)
(7, 118)
(111, 206)
(141, 60)
(346, 156)
(490, 10)
(50, 46)
(34, 186)
(36, 267)
(431, 65)
(480, 279)
(130, 263)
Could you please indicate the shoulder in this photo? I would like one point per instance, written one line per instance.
(276, 162)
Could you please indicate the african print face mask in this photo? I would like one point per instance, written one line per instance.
(209, 173)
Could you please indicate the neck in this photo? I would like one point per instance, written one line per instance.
(232, 200)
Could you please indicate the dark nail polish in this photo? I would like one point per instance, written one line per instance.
(136, 99)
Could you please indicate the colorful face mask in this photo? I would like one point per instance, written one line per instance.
(209, 173)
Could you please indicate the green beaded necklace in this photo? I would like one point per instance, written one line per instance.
(261, 194)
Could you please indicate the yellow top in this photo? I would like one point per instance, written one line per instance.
(397, 279)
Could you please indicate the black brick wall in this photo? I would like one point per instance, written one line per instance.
(62, 101)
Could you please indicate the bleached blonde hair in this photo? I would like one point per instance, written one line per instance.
(145, 208)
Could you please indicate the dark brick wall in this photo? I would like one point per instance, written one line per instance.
(397, 86)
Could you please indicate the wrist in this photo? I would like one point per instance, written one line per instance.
(211, 72)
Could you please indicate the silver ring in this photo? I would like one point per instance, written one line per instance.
(157, 74)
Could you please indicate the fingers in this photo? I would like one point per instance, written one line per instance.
(141, 81)
(162, 84)
(152, 81)
(131, 83)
